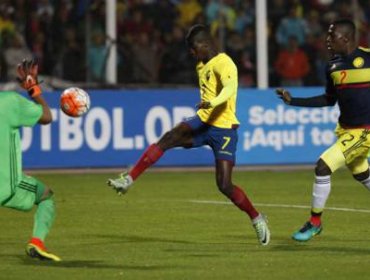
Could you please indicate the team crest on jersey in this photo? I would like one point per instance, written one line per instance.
(358, 62)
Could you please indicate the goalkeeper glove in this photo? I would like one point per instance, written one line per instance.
(27, 77)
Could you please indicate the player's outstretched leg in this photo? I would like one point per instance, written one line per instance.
(125, 180)
(262, 230)
(121, 184)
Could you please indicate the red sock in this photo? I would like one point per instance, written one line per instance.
(315, 220)
(148, 158)
(38, 242)
(239, 198)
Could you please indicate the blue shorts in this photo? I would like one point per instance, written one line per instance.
(222, 140)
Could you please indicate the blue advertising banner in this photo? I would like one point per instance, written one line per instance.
(274, 133)
(121, 124)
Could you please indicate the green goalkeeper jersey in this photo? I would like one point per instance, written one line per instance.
(15, 112)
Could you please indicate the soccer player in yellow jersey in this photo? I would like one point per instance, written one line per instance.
(348, 84)
(215, 125)
(17, 190)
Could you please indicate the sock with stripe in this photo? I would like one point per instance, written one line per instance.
(44, 218)
(148, 158)
(38, 242)
(240, 199)
(366, 183)
(320, 194)
(315, 218)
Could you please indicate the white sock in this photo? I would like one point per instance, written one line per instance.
(366, 183)
(321, 191)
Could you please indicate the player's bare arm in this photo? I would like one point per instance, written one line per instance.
(46, 116)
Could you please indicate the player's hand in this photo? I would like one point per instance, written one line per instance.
(204, 105)
(27, 72)
(284, 95)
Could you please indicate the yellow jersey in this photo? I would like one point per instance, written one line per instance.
(213, 75)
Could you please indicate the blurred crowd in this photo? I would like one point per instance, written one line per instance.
(68, 38)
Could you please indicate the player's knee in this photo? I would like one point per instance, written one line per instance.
(225, 187)
(174, 138)
(168, 140)
(322, 169)
(362, 176)
(47, 194)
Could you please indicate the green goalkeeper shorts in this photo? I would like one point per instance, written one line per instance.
(27, 193)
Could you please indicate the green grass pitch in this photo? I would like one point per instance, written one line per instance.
(176, 225)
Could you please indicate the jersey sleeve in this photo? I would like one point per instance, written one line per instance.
(28, 113)
(226, 71)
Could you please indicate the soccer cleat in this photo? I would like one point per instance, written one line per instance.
(262, 230)
(307, 232)
(37, 252)
(121, 184)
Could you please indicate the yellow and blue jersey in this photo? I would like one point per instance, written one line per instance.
(348, 83)
(212, 76)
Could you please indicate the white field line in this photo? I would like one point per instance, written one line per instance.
(283, 206)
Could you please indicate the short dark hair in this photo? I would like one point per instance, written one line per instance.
(348, 27)
(198, 32)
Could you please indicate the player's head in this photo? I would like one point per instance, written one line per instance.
(200, 42)
(341, 37)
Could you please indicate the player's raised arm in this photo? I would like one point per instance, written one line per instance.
(27, 72)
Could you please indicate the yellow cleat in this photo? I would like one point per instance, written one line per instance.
(37, 252)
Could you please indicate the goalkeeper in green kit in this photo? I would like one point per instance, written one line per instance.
(17, 190)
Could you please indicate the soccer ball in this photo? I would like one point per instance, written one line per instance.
(74, 102)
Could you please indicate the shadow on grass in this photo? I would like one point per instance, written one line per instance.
(318, 245)
(305, 247)
(117, 239)
(24, 260)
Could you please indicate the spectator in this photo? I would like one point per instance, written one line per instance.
(212, 10)
(292, 64)
(15, 52)
(313, 23)
(146, 59)
(45, 25)
(97, 54)
(164, 15)
(176, 63)
(72, 58)
(247, 69)
(245, 16)
(136, 23)
(276, 11)
(6, 23)
(291, 25)
(188, 10)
